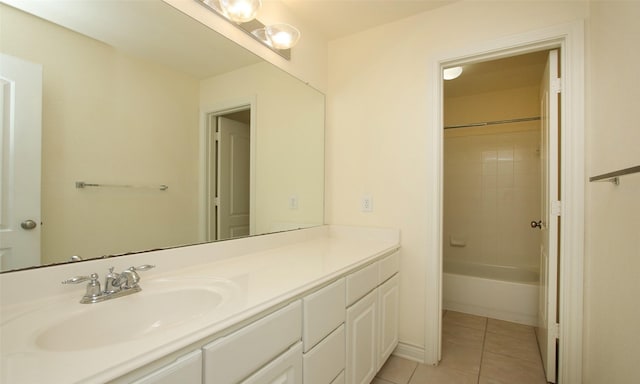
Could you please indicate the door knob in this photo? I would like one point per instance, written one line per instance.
(28, 224)
(536, 224)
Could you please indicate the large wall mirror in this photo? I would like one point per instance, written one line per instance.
(128, 126)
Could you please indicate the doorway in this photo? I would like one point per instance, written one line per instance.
(228, 187)
(569, 38)
(497, 156)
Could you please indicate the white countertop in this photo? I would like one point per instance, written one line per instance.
(268, 275)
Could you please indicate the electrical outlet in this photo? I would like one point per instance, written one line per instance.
(366, 205)
(293, 202)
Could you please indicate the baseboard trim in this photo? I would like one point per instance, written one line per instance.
(409, 352)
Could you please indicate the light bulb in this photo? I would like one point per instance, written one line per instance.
(451, 73)
(240, 11)
(282, 36)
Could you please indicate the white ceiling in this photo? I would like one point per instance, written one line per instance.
(339, 18)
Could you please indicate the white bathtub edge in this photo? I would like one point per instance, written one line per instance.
(515, 302)
(497, 314)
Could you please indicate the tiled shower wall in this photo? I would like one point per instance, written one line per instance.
(491, 194)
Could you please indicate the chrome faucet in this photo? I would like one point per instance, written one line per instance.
(115, 284)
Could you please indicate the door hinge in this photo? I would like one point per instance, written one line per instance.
(556, 208)
(556, 85)
(216, 136)
(216, 201)
(555, 331)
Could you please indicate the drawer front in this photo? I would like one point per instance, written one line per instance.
(326, 360)
(322, 312)
(236, 356)
(284, 369)
(361, 282)
(339, 379)
(186, 369)
(389, 266)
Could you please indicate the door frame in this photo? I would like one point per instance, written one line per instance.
(219, 109)
(570, 39)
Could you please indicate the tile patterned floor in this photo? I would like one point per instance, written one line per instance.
(475, 350)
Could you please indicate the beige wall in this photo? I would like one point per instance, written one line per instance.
(97, 99)
(378, 131)
(290, 142)
(612, 315)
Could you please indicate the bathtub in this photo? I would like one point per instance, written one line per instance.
(504, 293)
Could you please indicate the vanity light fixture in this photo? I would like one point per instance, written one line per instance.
(280, 38)
(451, 73)
(240, 11)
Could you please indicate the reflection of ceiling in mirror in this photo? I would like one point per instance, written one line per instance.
(150, 29)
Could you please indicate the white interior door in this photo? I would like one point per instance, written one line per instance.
(20, 135)
(547, 331)
(234, 145)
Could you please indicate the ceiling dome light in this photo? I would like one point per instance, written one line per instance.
(240, 11)
(451, 73)
(282, 36)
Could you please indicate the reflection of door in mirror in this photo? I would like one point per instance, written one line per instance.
(229, 175)
(20, 135)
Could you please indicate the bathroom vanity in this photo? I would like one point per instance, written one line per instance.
(317, 305)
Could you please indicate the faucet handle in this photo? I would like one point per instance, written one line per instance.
(144, 267)
(93, 288)
(79, 279)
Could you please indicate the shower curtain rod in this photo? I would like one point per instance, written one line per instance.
(484, 123)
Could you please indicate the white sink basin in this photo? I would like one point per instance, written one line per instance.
(155, 309)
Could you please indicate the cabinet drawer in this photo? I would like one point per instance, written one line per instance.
(234, 357)
(284, 369)
(322, 312)
(186, 369)
(361, 282)
(326, 360)
(388, 267)
(339, 379)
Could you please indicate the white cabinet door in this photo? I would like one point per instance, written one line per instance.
(388, 306)
(362, 340)
(186, 369)
(284, 369)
